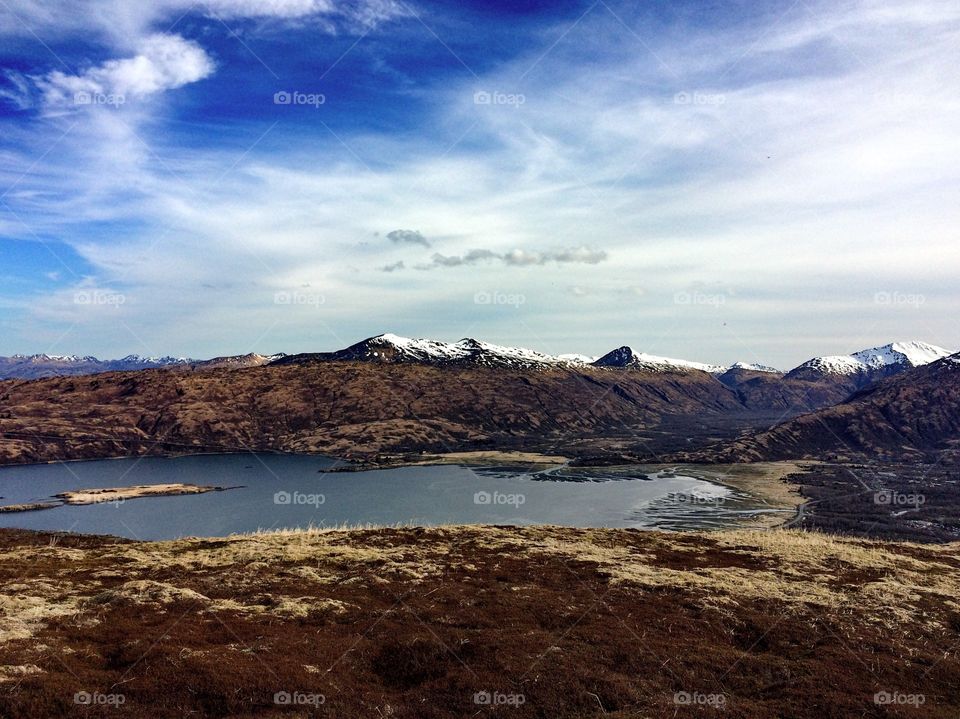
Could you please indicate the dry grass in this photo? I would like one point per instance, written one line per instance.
(27, 605)
(790, 566)
(418, 619)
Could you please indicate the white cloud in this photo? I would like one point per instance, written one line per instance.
(363, 13)
(123, 22)
(268, 8)
(806, 189)
(162, 62)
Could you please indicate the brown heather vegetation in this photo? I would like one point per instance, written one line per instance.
(339, 408)
(414, 622)
(913, 416)
(363, 409)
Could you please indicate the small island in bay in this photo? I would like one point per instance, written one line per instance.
(121, 494)
(104, 495)
(28, 506)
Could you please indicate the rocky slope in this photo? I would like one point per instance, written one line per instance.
(340, 407)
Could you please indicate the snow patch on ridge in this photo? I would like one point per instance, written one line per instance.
(907, 354)
(485, 353)
(912, 353)
(626, 357)
(577, 358)
(754, 367)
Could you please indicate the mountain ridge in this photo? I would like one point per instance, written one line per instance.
(380, 397)
(847, 372)
(913, 415)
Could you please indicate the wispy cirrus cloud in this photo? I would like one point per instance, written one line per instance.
(123, 21)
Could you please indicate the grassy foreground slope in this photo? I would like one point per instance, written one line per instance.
(542, 622)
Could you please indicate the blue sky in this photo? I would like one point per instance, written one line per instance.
(715, 181)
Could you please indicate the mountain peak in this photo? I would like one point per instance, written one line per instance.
(390, 348)
(886, 358)
(912, 354)
(626, 357)
(620, 357)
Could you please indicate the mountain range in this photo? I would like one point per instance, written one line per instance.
(861, 368)
(45, 365)
(389, 394)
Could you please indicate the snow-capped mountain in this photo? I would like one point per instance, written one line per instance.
(390, 348)
(913, 354)
(47, 365)
(913, 415)
(855, 370)
(626, 357)
(753, 367)
(871, 363)
(41, 358)
(132, 361)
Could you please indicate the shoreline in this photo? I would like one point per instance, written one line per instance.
(765, 482)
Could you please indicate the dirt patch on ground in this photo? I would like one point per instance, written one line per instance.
(464, 621)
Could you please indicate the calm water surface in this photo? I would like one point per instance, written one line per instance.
(283, 491)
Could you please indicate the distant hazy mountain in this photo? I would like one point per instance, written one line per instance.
(251, 359)
(44, 365)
